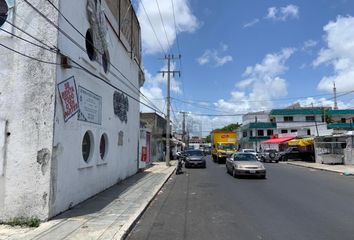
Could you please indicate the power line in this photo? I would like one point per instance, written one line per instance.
(162, 22)
(152, 27)
(80, 68)
(79, 46)
(109, 62)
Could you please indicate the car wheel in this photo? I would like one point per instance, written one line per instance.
(234, 173)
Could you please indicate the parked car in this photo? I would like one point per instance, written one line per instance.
(194, 158)
(250, 150)
(245, 164)
(296, 154)
(269, 155)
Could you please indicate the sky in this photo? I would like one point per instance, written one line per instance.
(246, 56)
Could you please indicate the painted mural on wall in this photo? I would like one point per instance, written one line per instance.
(68, 96)
(121, 106)
(90, 106)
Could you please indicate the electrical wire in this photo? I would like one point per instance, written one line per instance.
(79, 46)
(80, 68)
(152, 27)
(162, 22)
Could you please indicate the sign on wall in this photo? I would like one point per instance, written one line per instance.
(68, 96)
(90, 106)
(121, 106)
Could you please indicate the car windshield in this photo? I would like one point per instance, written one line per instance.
(194, 153)
(227, 146)
(270, 150)
(244, 157)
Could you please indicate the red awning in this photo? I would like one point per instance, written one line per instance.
(277, 140)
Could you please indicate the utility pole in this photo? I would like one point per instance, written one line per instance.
(335, 96)
(168, 126)
(315, 119)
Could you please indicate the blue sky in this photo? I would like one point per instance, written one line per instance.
(244, 56)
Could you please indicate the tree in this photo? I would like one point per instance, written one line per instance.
(230, 127)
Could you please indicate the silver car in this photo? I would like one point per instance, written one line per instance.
(245, 164)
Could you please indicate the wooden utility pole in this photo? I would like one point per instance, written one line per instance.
(168, 102)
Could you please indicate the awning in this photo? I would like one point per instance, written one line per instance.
(303, 142)
(277, 140)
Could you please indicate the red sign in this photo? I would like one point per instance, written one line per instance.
(68, 95)
(144, 154)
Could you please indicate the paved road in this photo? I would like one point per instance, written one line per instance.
(293, 203)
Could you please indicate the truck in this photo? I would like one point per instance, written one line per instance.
(223, 145)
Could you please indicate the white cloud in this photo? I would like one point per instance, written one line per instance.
(309, 44)
(283, 13)
(323, 102)
(251, 23)
(185, 22)
(262, 83)
(215, 56)
(153, 90)
(339, 53)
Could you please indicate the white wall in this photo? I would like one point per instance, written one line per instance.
(74, 180)
(27, 104)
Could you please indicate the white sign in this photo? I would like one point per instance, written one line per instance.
(90, 106)
(68, 95)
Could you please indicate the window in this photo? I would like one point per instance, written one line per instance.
(6, 14)
(90, 49)
(87, 146)
(308, 131)
(269, 132)
(310, 118)
(103, 146)
(251, 133)
(293, 130)
(4, 8)
(244, 134)
(288, 119)
(284, 131)
(342, 120)
(260, 133)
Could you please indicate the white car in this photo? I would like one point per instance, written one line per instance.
(250, 150)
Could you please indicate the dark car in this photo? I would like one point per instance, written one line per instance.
(294, 153)
(194, 158)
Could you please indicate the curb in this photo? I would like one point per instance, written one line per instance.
(127, 229)
(321, 169)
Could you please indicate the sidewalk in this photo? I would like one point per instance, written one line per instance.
(344, 169)
(108, 215)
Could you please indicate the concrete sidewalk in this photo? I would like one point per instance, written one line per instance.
(343, 169)
(108, 215)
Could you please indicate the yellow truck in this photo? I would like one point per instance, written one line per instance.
(224, 144)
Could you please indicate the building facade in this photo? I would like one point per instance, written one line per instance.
(69, 127)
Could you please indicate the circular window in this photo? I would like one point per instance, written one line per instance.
(103, 146)
(87, 143)
(105, 61)
(90, 49)
(3, 12)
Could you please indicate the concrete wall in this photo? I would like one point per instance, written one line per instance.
(27, 108)
(73, 179)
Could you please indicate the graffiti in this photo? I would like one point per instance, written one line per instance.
(121, 106)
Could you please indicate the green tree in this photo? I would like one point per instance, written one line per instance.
(230, 127)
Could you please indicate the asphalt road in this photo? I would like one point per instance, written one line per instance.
(293, 203)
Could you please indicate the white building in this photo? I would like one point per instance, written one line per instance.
(68, 127)
(300, 121)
